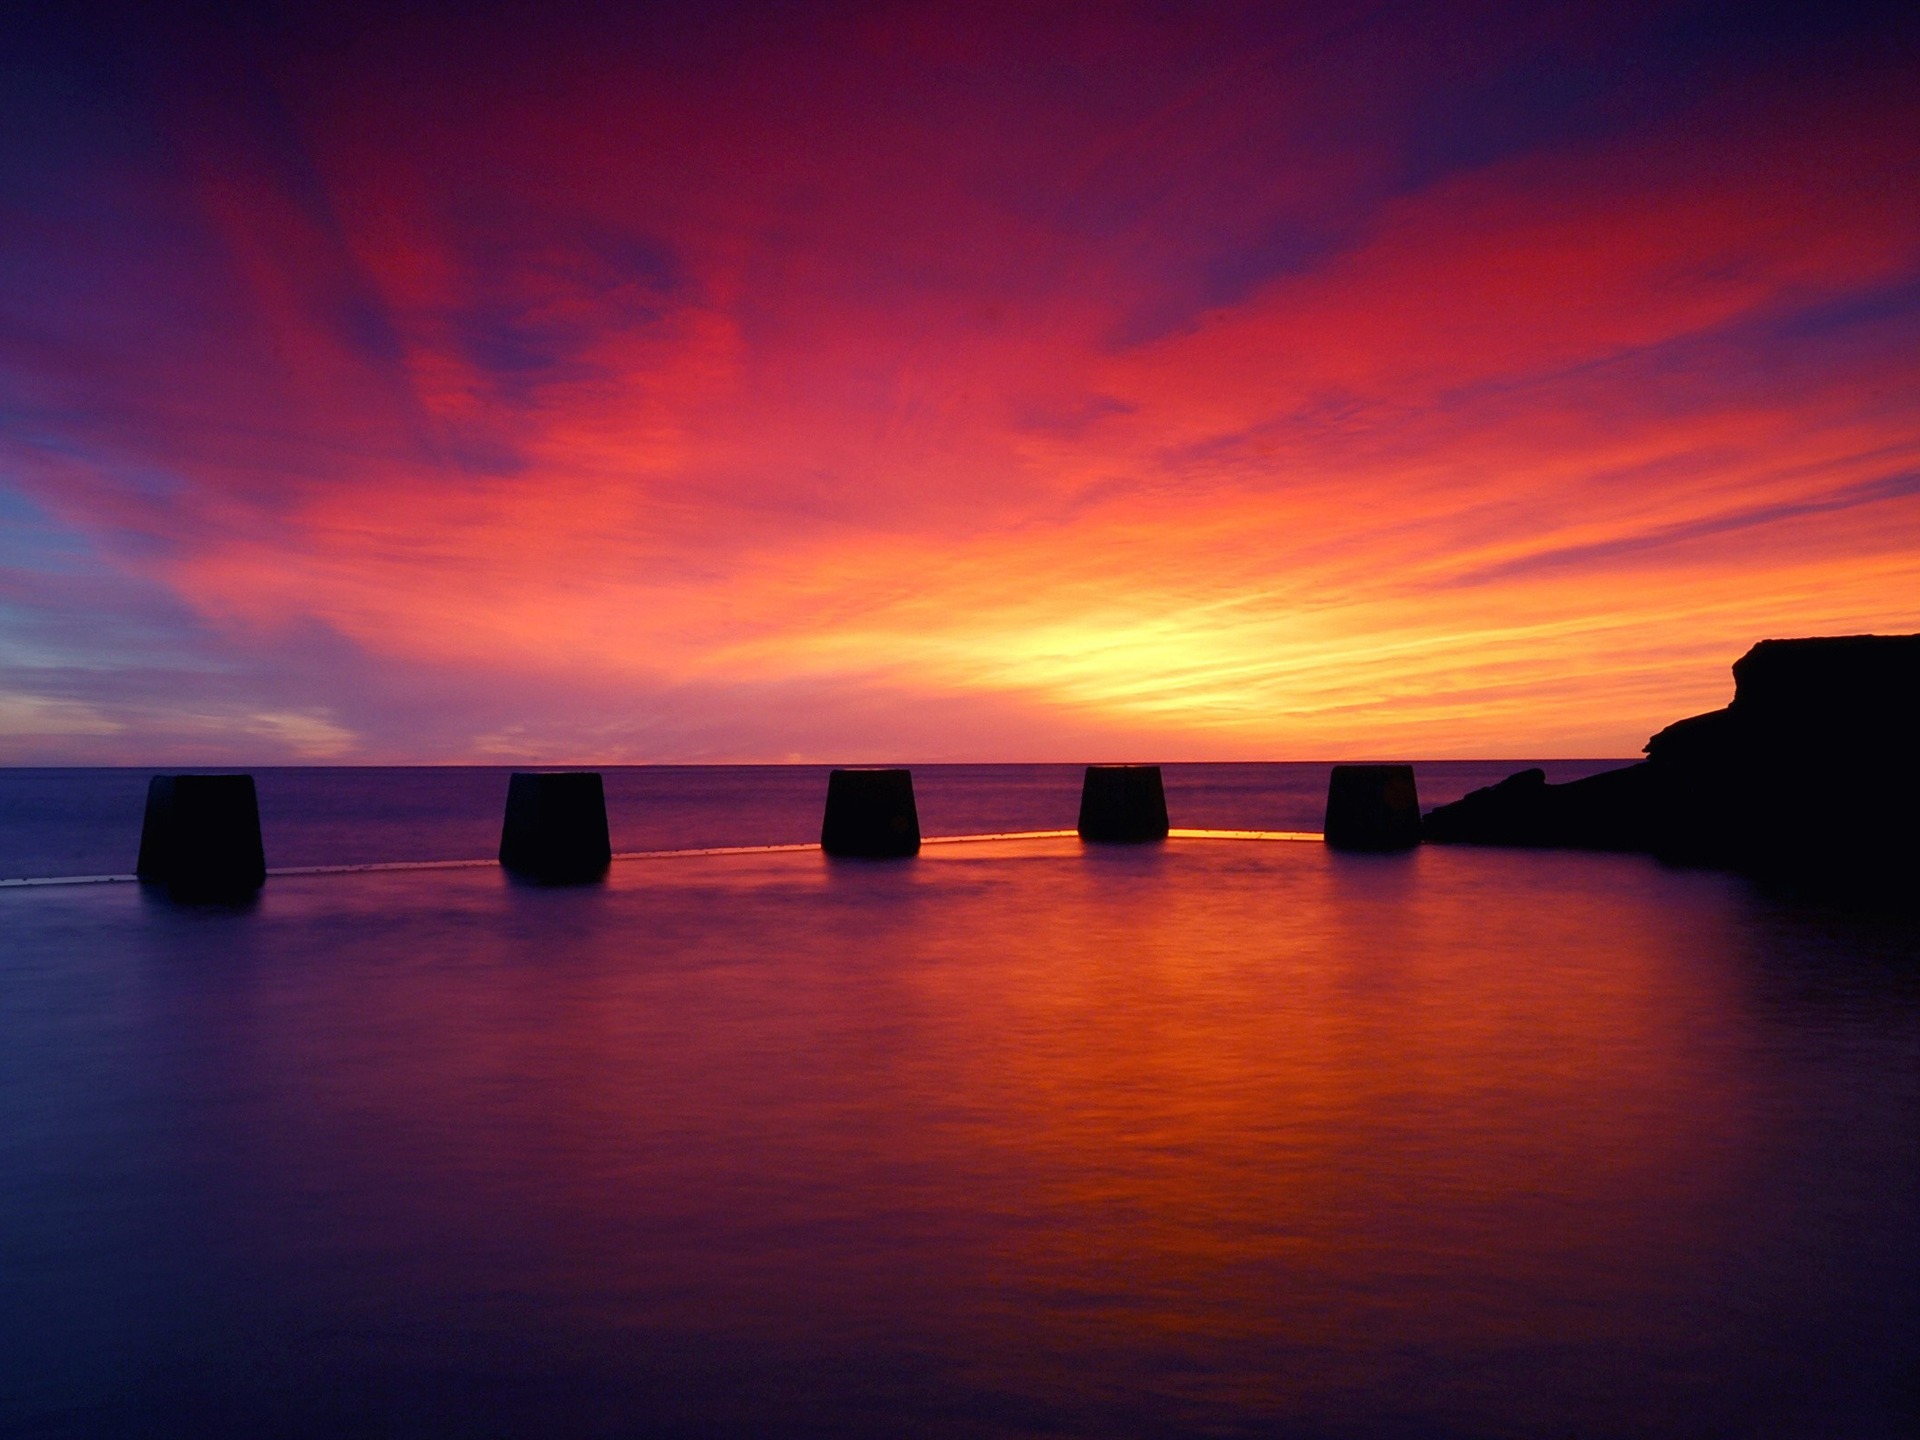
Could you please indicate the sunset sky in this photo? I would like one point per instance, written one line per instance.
(946, 382)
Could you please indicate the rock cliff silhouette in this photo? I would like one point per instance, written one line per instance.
(1812, 770)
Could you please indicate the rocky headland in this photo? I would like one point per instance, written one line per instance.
(1812, 770)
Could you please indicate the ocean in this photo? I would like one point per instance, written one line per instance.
(1018, 1138)
(87, 822)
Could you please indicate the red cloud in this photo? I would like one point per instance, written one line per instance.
(876, 360)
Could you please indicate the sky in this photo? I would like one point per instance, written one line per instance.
(520, 383)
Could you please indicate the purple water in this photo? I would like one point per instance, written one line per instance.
(87, 822)
(1018, 1138)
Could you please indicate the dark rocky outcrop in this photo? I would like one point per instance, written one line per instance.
(1372, 807)
(1609, 811)
(870, 815)
(1812, 770)
(1124, 804)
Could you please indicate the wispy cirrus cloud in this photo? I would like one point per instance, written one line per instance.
(1260, 383)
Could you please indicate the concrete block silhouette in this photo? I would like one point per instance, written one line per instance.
(201, 837)
(870, 814)
(1372, 807)
(556, 827)
(1123, 803)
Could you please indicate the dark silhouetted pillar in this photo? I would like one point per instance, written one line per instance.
(201, 837)
(556, 827)
(870, 813)
(1123, 803)
(1373, 807)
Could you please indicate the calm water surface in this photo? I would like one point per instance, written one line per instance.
(1208, 1138)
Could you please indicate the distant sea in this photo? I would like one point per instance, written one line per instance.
(57, 822)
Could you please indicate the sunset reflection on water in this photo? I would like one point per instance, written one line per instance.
(1016, 1138)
